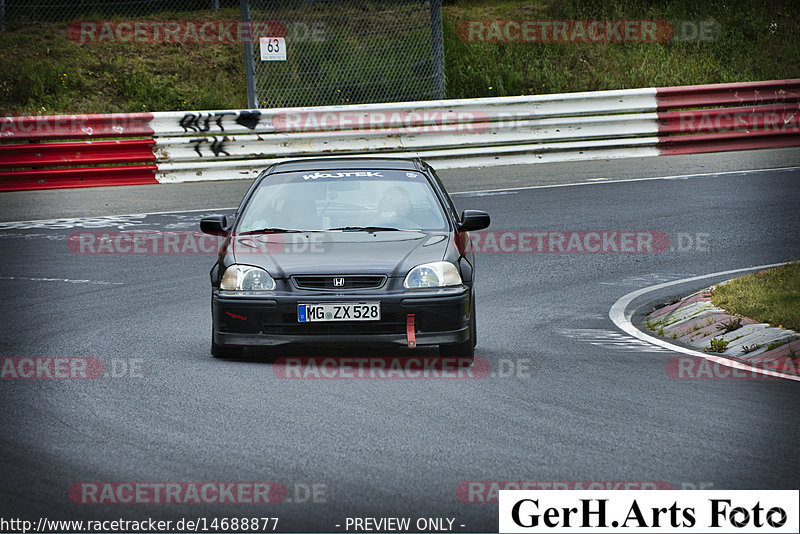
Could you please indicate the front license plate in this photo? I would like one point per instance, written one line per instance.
(360, 311)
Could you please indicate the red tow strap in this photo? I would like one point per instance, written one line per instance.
(412, 340)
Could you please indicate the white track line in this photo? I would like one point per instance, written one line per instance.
(68, 219)
(598, 181)
(622, 319)
(520, 188)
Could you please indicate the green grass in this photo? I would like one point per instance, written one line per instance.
(771, 296)
(42, 71)
(755, 42)
(732, 324)
(717, 345)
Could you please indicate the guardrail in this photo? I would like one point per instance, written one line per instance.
(39, 152)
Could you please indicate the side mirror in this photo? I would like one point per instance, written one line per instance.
(216, 224)
(474, 220)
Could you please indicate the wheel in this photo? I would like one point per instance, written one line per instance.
(224, 351)
(465, 350)
(473, 327)
(461, 351)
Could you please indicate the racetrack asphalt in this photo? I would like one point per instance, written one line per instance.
(99, 201)
(571, 397)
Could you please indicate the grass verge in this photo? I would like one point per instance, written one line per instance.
(751, 41)
(771, 296)
(43, 72)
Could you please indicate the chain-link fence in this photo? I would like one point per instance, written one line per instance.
(350, 52)
(334, 51)
(17, 13)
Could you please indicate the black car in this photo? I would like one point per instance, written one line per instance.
(345, 250)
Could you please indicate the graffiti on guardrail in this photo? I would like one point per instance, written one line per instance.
(217, 146)
(205, 121)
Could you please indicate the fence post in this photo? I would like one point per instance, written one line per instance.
(244, 6)
(437, 48)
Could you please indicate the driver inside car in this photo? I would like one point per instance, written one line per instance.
(394, 208)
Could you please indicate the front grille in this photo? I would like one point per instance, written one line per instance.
(338, 283)
(390, 323)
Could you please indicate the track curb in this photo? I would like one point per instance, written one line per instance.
(622, 311)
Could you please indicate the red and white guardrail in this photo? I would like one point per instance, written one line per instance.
(42, 152)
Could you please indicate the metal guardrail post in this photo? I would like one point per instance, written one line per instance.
(437, 46)
(244, 6)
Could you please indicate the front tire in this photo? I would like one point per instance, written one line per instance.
(465, 350)
(460, 351)
(225, 351)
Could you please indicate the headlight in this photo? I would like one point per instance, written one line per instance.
(436, 274)
(246, 278)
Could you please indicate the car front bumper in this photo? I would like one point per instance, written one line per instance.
(441, 317)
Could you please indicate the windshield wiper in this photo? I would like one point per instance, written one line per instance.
(272, 231)
(367, 229)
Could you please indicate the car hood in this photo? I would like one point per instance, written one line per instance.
(387, 252)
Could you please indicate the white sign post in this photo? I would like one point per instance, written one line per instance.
(272, 48)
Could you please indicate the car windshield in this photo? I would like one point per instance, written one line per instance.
(343, 200)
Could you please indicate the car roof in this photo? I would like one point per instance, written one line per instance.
(322, 164)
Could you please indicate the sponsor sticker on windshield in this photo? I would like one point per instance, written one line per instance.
(344, 174)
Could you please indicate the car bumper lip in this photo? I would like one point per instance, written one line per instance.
(442, 316)
(268, 340)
